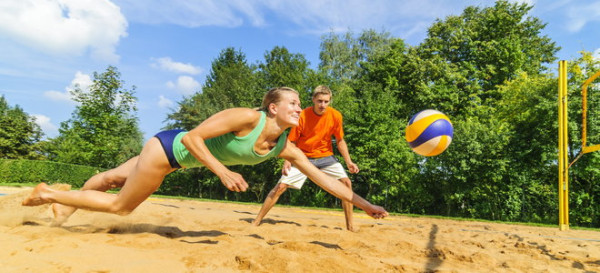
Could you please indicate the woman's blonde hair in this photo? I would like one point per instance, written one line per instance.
(321, 90)
(274, 96)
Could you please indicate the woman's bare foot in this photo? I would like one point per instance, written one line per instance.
(61, 214)
(36, 197)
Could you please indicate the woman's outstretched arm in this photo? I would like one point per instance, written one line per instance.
(298, 159)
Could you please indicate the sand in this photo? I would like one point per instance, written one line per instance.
(167, 235)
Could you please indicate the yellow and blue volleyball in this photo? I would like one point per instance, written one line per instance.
(429, 132)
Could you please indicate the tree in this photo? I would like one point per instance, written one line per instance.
(103, 130)
(487, 74)
(463, 68)
(230, 83)
(19, 134)
(282, 68)
(491, 45)
(584, 190)
(341, 57)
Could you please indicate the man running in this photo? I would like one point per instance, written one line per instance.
(313, 136)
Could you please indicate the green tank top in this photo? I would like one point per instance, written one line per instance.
(230, 149)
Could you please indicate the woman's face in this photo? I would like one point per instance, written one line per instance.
(288, 109)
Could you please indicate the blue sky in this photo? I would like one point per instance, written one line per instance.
(165, 47)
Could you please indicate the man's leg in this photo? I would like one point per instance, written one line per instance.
(294, 179)
(348, 207)
(270, 201)
(337, 171)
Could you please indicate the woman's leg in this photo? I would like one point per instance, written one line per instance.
(113, 178)
(145, 177)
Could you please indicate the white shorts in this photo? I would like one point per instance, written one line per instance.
(295, 179)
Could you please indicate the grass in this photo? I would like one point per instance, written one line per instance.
(18, 185)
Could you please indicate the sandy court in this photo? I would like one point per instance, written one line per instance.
(167, 235)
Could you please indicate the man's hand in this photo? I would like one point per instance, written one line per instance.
(352, 168)
(286, 167)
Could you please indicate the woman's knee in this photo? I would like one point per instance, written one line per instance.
(121, 209)
(112, 180)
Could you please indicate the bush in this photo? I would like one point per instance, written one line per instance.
(183, 182)
(35, 171)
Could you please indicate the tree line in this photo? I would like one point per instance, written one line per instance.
(491, 70)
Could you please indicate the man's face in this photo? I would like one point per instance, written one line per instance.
(320, 103)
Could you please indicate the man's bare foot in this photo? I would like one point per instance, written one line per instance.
(36, 197)
(255, 223)
(61, 214)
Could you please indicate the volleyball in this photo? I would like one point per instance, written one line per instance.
(429, 132)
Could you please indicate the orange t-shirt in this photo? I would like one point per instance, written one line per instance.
(313, 133)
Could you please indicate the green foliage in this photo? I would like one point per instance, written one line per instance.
(342, 57)
(34, 171)
(180, 183)
(230, 83)
(492, 44)
(487, 69)
(19, 134)
(376, 141)
(529, 107)
(103, 129)
(282, 68)
(464, 68)
(583, 175)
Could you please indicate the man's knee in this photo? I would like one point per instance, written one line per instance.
(346, 181)
(279, 189)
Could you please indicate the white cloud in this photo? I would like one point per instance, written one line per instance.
(82, 80)
(316, 17)
(340, 16)
(596, 54)
(164, 102)
(191, 13)
(528, 2)
(185, 85)
(580, 15)
(58, 96)
(65, 27)
(166, 63)
(44, 122)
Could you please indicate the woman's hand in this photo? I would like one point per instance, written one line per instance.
(376, 212)
(233, 181)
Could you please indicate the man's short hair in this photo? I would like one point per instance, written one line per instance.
(321, 90)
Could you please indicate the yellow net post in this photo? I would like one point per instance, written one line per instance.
(584, 148)
(563, 156)
(563, 140)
